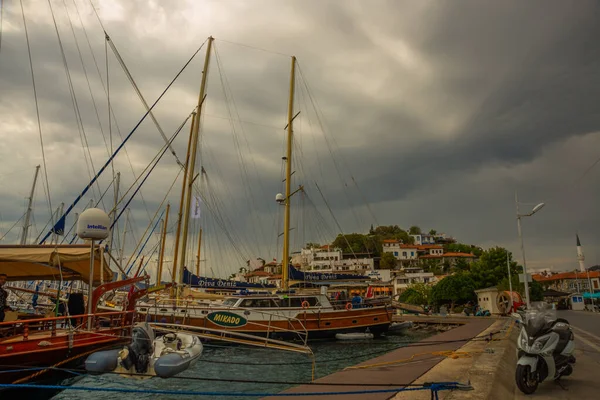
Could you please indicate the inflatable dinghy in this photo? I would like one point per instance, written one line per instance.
(398, 328)
(147, 356)
(354, 336)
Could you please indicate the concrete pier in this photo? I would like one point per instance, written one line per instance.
(418, 361)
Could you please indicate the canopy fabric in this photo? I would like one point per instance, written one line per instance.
(554, 293)
(588, 295)
(42, 262)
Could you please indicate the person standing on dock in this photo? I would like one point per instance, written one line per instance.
(3, 297)
(356, 301)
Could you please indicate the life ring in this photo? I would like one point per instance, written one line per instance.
(305, 304)
(348, 306)
(190, 298)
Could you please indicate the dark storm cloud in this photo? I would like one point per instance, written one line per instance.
(438, 110)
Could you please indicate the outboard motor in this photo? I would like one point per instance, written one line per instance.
(138, 353)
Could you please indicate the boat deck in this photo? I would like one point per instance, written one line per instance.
(400, 374)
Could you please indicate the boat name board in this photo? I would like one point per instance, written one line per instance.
(226, 319)
(219, 283)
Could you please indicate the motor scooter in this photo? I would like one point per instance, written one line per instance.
(545, 348)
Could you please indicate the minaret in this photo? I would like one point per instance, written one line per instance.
(580, 256)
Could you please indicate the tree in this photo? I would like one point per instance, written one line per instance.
(432, 232)
(417, 294)
(457, 288)
(462, 265)
(491, 268)
(536, 290)
(414, 230)
(356, 243)
(463, 248)
(388, 261)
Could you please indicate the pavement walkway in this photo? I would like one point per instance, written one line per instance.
(421, 360)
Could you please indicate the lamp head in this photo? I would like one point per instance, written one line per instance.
(537, 208)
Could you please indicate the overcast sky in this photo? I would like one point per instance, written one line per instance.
(432, 112)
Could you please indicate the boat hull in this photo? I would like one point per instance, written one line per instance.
(56, 354)
(284, 324)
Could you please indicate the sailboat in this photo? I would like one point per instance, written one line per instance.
(280, 315)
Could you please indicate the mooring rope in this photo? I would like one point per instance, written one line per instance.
(433, 387)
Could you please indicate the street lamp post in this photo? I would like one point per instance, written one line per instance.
(533, 211)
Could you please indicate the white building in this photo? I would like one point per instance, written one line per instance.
(437, 238)
(401, 251)
(384, 275)
(423, 238)
(319, 258)
(328, 259)
(411, 276)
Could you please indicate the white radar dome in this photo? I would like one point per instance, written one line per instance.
(93, 224)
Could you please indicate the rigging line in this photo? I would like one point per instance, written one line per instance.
(139, 93)
(110, 110)
(146, 241)
(219, 219)
(110, 137)
(366, 202)
(243, 167)
(149, 256)
(1, 22)
(329, 145)
(253, 47)
(335, 220)
(96, 205)
(15, 224)
(78, 119)
(327, 232)
(149, 168)
(144, 180)
(125, 140)
(86, 77)
(37, 111)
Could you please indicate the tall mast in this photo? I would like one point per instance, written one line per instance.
(288, 181)
(190, 179)
(29, 208)
(180, 213)
(114, 215)
(160, 252)
(161, 257)
(122, 252)
(198, 255)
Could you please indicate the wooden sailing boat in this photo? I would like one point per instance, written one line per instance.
(35, 348)
(281, 315)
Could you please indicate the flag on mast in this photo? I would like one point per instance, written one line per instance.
(196, 207)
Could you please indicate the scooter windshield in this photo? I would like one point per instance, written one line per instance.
(539, 318)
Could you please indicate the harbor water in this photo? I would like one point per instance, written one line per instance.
(220, 366)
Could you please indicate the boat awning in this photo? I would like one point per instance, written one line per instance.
(46, 262)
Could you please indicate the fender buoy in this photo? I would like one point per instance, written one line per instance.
(348, 306)
(305, 304)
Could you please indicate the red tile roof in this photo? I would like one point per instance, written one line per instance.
(429, 246)
(390, 241)
(257, 273)
(409, 246)
(566, 275)
(465, 255)
(274, 277)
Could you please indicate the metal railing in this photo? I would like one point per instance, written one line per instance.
(100, 321)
